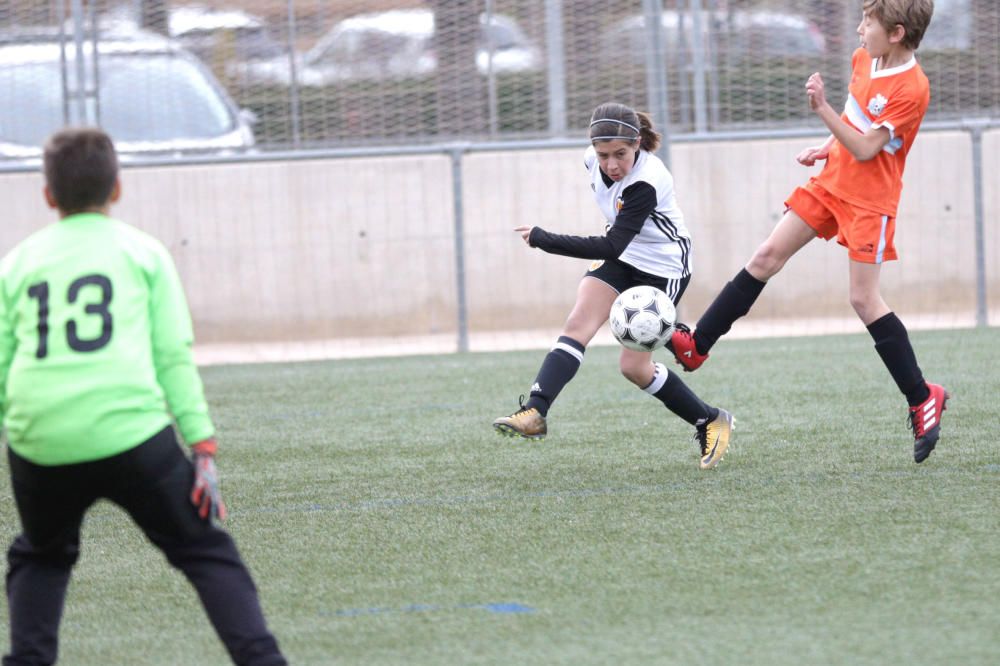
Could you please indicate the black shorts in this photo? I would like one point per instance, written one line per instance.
(621, 276)
(151, 482)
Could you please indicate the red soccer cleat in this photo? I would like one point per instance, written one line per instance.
(684, 349)
(925, 421)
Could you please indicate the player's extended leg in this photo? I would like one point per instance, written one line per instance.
(789, 236)
(154, 484)
(927, 401)
(593, 302)
(713, 426)
(51, 506)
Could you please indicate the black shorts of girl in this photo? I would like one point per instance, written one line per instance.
(621, 276)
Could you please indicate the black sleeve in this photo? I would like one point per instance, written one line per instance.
(638, 201)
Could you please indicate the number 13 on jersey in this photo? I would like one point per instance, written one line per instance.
(96, 300)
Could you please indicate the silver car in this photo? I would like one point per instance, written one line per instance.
(151, 95)
(396, 44)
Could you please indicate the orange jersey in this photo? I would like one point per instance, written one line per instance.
(895, 99)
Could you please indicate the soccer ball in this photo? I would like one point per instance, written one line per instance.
(642, 318)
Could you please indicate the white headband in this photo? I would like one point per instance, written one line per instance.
(612, 120)
(620, 122)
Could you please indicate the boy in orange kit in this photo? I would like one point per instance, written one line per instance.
(854, 199)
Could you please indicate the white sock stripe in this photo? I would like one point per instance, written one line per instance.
(659, 379)
(572, 351)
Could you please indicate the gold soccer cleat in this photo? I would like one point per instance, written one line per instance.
(714, 438)
(525, 422)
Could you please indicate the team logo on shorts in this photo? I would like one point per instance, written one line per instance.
(876, 105)
(595, 265)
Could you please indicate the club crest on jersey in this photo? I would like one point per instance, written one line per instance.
(619, 202)
(876, 105)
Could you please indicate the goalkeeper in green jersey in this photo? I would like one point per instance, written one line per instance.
(95, 365)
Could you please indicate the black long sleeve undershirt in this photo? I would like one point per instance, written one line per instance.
(638, 201)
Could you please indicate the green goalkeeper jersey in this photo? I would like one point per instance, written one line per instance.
(95, 343)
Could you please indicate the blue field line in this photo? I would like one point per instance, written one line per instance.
(607, 491)
(504, 608)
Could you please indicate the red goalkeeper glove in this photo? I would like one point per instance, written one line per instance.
(205, 493)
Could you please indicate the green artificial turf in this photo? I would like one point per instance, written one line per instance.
(386, 523)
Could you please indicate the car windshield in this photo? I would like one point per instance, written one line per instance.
(142, 98)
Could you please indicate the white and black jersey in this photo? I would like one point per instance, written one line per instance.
(646, 229)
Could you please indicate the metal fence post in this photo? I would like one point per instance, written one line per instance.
(81, 71)
(698, 67)
(975, 128)
(293, 79)
(656, 74)
(557, 67)
(456, 152)
(491, 75)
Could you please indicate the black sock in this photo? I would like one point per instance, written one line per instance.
(893, 345)
(734, 301)
(678, 398)
(557, 369)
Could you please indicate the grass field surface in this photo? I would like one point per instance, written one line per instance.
(385, 522)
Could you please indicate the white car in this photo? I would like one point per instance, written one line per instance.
(149, 94)
(395, 44)
(229, 35)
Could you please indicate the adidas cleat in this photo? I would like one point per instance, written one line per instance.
(527, 422)
(925, 421)
(714, 437)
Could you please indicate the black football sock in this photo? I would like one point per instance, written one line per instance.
(734, 301)
(668, 388)
(559, 366)
(893, 344)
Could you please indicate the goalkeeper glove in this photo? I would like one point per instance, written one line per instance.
(205, 493)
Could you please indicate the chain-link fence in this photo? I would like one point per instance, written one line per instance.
(339, 73)
(396, 221)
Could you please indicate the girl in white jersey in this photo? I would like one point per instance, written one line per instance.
(646, 243)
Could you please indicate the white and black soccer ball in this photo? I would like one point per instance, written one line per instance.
(642, 318)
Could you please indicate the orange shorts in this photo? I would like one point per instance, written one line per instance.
(866, 234)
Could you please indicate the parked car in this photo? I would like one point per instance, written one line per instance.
(396, 44)
(150, 94)
(223, 35)
(757, 32)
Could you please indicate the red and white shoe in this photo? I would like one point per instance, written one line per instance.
(925, 421)
(684, 349)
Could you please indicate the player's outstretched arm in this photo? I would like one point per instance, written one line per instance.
(639, 200)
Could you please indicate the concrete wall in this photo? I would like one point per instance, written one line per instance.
(354, 247)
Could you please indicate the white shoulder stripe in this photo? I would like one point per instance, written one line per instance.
(856, 115)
